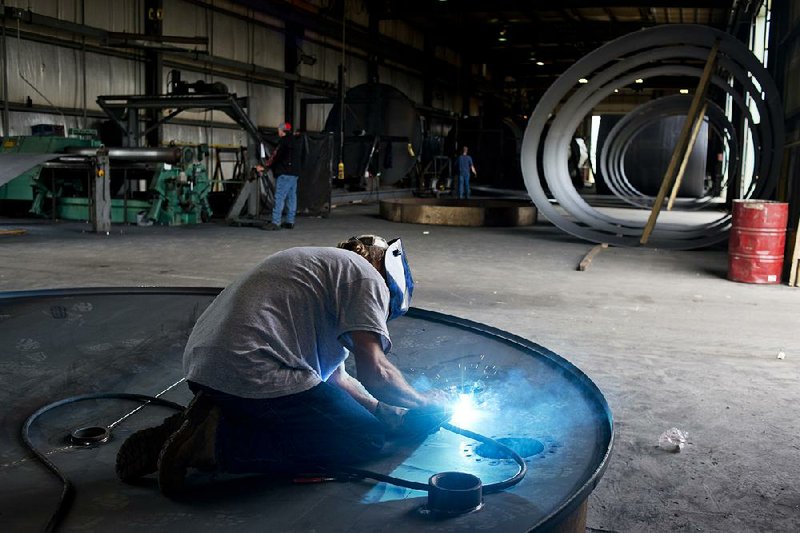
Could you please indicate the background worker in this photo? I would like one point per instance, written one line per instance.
(266, 363)
(465, 166)
(283, 163)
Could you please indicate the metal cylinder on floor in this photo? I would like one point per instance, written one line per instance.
(757, 240)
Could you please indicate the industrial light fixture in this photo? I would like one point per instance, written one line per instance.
(684, 91)
(540, 63)
(583, 80)
(616, 90)
(639, 80)
(503, 37)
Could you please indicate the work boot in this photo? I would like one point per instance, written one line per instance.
(287, 225)
(270, 227)
(138, 455)
(193, 445)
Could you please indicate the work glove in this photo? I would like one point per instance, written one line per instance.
(411, 423)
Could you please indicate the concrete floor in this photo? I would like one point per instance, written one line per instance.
(668, 339)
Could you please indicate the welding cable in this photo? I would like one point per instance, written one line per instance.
(491, 488)
(67, 491)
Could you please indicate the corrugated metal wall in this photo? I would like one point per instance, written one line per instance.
(51, 73)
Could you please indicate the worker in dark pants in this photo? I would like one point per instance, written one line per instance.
(465, 166)
(283, 163)
(266, 364)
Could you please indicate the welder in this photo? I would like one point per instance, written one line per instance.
(266, 362)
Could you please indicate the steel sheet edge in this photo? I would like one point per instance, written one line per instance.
(559, 516)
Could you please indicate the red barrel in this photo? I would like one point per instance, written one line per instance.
(758, 236)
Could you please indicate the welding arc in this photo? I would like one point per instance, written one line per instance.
(68, 492)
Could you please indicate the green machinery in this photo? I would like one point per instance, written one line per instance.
(181, 190)
(177, 193)
(29, 186)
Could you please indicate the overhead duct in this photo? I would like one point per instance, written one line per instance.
(645, 54)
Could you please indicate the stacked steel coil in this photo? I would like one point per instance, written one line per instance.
(658, 51)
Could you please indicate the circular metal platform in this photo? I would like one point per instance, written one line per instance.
(459, 212)
(62, 343)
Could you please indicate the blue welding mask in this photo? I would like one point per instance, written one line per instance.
(398, 279)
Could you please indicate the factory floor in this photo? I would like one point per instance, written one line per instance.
(664, 335)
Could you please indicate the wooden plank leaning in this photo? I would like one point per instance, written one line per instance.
(794, 264)
(683, 142)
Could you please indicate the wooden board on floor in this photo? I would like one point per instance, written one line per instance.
(587, 259)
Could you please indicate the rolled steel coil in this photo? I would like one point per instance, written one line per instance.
(618, 141)
(645, 54)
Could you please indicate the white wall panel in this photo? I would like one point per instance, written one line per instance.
(20, 123)
(116, 15)
(327, 65)
(181, 134)
(356, 71)
(402, 32)
(267, 104)
(69, 10)
(184, 19)
(268, 47)
(41, 7)
(106, 75)
(56, 72)
(230, 38)
(357, 11)
(447, 54)
(410, 85)
(316, 115)
(52, 70)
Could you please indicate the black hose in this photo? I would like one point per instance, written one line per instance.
(500, 485)
(67, 492)
(487, 489)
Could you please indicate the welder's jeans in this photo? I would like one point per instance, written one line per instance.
(323, 426)
(463, 185)
(285, 193)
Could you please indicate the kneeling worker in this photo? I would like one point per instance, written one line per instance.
(266, 363)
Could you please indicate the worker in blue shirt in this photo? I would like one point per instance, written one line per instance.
(465, 166)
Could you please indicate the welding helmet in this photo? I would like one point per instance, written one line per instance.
(396, 271)
(398, 278)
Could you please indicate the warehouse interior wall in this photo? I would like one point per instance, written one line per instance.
(54, 73)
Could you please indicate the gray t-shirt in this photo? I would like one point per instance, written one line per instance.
(283, 327)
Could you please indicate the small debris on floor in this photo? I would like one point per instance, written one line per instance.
(672, 440)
